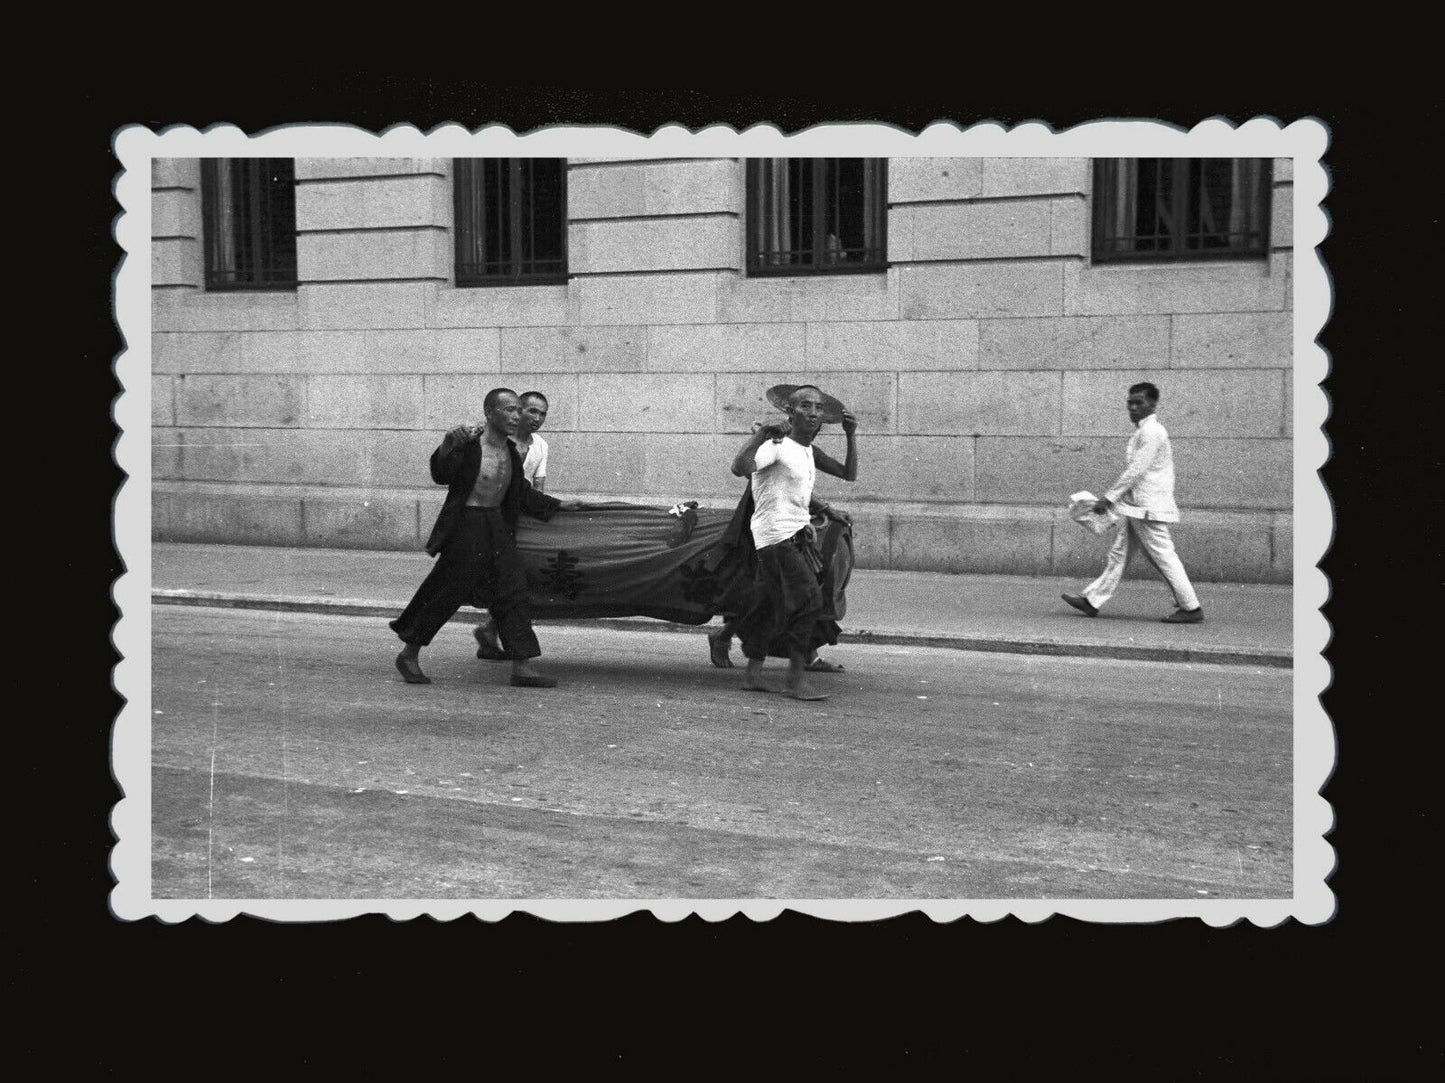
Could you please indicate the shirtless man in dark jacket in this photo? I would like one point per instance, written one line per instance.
(474, 541)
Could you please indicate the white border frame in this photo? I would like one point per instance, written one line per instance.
(1304, 141)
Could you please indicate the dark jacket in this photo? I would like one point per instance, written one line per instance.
(458, 471)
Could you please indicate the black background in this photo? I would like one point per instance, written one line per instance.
(1177, 1000)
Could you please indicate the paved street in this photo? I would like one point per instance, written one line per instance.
(291, 761)
(1249, 623)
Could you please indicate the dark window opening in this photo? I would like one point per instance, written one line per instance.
(1181, 208)
(249, 209)
(511, 221)
(817, 215)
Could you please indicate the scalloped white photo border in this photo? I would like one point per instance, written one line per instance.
(1305, 141)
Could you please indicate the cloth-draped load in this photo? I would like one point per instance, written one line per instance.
(624, 560)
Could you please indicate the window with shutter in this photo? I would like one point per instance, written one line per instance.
(816, 215)
(1181, 208)
(249, 210)
(511, 221)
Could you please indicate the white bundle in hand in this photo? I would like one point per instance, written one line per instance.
(1081, 511)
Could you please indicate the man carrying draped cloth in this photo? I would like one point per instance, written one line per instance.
(781, 463)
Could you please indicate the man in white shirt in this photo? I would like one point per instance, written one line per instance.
(781, 462)
(719, 642)
(532, 446)
(533, 450)
(1143, 497)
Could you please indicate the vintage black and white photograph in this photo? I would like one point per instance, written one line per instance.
(852, 521)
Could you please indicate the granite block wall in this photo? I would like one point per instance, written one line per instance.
(988, 364)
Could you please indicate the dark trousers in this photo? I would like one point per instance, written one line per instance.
(479, 561)
(786, 604)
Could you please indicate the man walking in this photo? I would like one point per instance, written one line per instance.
(781, 463)
(474, 543)
(739, 538)
(532, 447)
(1144, 498)
(533, 450)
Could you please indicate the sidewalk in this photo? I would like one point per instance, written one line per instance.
(1246, 624)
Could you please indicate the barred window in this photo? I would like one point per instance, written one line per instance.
(511, 221)
(1181, 208)
(249, 210)
(817, 215)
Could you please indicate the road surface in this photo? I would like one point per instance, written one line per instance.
(291, 761)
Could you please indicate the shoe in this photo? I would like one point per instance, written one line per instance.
(1082, 604)
(1184, 616)
(532, 680)
(411, 671)
(489, 648)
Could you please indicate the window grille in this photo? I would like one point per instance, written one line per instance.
(1181, 208)
(817, 215)
(511, 221)
(249, 210)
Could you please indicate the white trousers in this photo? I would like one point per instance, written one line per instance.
(1153, 538)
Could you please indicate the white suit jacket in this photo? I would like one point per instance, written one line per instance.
(1145, 490)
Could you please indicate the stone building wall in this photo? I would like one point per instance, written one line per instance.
(988, 365)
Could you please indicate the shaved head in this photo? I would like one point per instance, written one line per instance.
(494, 396)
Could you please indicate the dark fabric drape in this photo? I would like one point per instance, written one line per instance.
(621, 560)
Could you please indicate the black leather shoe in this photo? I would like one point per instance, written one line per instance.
(1184, 616)
(410, 670)
(1082, 604)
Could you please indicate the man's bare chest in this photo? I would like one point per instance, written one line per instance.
(494, 473)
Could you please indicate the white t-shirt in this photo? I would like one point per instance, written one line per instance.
(782, 488)
(534, 466)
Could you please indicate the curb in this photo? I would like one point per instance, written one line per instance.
(352, 607)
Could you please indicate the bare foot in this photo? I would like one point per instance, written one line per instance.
(719, 644)
(410, 668)
(753, 678)
(803, 690)
(489, 647)
(525, 675)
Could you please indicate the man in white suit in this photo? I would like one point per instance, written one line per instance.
(1143, 497)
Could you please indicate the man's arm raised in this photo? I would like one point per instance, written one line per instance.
(745, 461)
(447, 457)
(847, 471)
